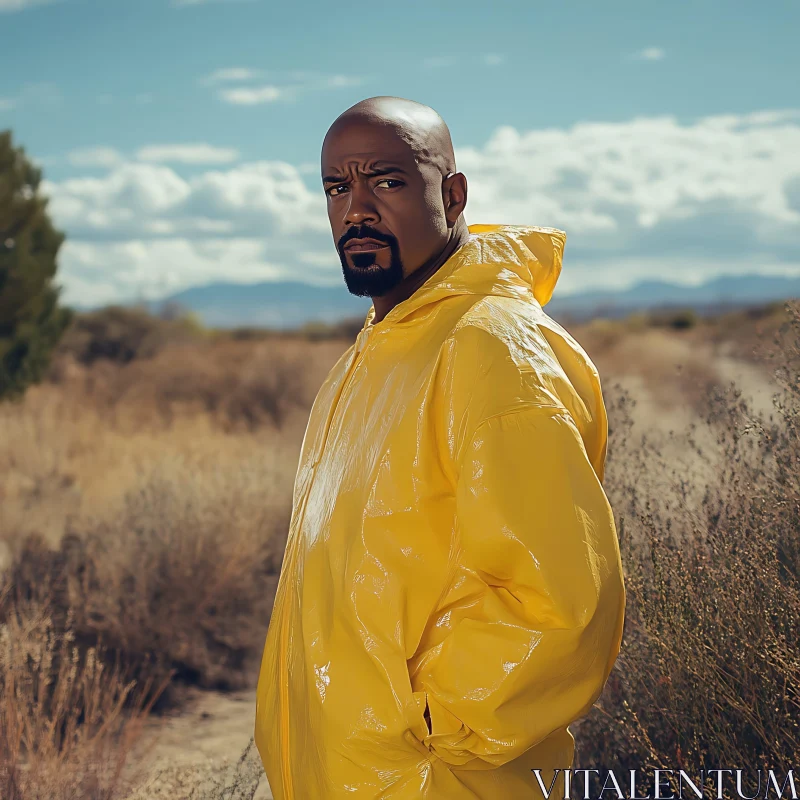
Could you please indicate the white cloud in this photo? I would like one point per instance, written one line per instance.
(95, 274)
(44, 161)
(281, 86)
(647, 198)
(188, 154)
(230, 75)
(252, 96)
(185, 153)
(261, 197)
(138, 200)
(597, 176)
(127, 198)
(41, 95)
(765, 117)
(95, 157)
(341, 81)
(698, 199)
(650, 54)
(242, 223)
(7, 6)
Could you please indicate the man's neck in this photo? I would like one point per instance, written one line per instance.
(410, 284)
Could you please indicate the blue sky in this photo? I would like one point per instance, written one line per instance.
(180, 140)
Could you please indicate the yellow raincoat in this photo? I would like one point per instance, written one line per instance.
(451, 595)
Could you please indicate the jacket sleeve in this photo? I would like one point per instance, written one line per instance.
(531, 624)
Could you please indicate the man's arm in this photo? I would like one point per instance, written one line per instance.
(533, 620)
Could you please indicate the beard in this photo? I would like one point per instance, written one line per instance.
(366, 278)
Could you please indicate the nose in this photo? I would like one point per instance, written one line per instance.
(361, 208)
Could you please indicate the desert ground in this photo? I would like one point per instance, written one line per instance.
(145, 493)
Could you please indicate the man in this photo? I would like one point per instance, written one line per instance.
(451, 596)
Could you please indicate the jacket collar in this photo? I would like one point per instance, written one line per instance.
(502, 260)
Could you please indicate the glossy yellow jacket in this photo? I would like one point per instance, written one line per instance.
(452, 555)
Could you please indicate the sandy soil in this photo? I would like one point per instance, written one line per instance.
(195, 750)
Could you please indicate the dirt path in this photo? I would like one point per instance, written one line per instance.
(196, 749)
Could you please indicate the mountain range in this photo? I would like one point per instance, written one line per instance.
(290, 304)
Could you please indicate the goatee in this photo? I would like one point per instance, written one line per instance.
(366, 278)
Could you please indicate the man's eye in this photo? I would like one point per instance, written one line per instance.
(332, 192)
(391, 180)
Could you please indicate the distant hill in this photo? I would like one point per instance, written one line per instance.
(290, 304)
(726, 291)
(277, 304)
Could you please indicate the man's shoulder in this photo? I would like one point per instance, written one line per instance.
(502, 328)
(497, 356)
(506, 353)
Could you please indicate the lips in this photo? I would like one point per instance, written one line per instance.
(362, 245)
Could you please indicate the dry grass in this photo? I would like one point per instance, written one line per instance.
(709, 672)
(145, 498)
(237, 386)
(63, 734)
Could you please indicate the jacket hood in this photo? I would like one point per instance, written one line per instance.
(505, 260)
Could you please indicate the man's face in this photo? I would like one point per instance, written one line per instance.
(375, 189)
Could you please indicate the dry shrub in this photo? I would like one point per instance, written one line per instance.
(673, 366)
(125, 360)
(63, 460)
(68, 718)
(185, 574)
(601, 334)
(675, 318)
(346, 330)
(737, 328)
(164, 539)
(153, 540)
(709, 672)
(240, 385)
(122, 335)
(181, 578)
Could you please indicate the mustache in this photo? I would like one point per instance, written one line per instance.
(365, 232)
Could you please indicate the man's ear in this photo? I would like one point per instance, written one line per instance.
(454, 196)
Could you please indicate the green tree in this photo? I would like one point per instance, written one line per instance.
(31, 321)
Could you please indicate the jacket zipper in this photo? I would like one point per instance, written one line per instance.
(283, 677)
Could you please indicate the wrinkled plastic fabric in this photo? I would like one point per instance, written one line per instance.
(451, 595)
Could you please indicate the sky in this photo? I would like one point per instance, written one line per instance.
(180, 139)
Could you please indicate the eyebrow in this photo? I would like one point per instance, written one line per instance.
(374, 173)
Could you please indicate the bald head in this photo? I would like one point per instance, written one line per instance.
(389, 173)
(418, 125)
